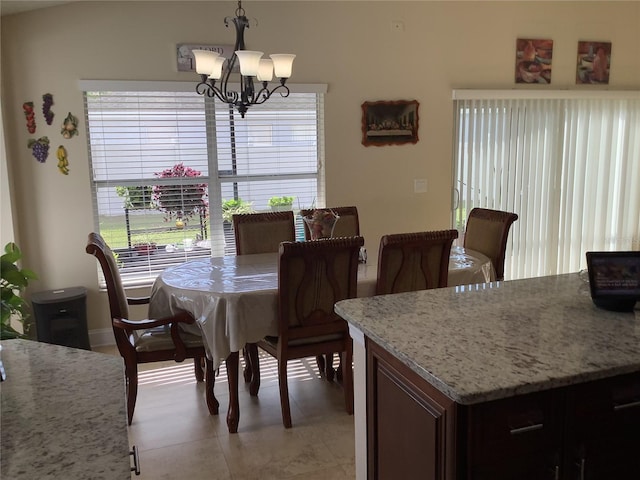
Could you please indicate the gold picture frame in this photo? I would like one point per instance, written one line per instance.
(389, 122)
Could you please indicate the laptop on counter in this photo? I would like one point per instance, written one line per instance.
(614, 279)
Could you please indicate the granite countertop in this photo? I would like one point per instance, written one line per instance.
(63, 413)
(483, 342)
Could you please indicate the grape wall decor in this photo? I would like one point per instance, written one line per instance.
(31, 117)
(47, 101)
(39, 148)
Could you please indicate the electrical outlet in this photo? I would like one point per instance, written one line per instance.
(397, 26)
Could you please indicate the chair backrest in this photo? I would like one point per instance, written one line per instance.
(486, 232)
(414, 261)
(118, 305)
(347, 225)
(97, 247)
(262, 232)
(312, 277)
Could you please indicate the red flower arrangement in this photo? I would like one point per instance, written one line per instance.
(183, 200)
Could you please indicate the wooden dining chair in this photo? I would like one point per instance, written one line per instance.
(414, 261)
(149, 340)
(348, 225)
(312, 277)
(262, 232)
(487, 232)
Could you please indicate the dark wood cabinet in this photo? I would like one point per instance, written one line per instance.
(587, 431)
(603, 429)
(518, 437)
(410, 424)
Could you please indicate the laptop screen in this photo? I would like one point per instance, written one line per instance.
(614, 275)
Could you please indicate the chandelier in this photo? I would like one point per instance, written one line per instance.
(211, 67)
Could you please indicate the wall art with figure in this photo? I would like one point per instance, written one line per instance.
(533, 60)
(594, 62)
(389, 122)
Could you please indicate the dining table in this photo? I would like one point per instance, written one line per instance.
(234, 301)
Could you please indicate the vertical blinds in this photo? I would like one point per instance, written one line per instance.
(567, 166)
(168, 166)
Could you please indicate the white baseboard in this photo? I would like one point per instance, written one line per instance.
(101, 337)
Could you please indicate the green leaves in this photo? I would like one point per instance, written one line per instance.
(13, 281)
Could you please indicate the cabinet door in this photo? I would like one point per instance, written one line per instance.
(603, 429)
(410, 424)
(515, 438)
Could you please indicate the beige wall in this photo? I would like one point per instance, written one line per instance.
(348, 45)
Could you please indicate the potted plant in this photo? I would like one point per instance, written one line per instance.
(180, 201)
(235, 206)
(135, 196)
(279, 204)
(13, 281)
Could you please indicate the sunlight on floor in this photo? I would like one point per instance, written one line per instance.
(182, 373)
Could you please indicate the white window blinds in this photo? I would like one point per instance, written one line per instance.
(566, 164)
(169, 167)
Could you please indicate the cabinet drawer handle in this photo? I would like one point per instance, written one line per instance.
(136, 460)
(622, 406)
(528, 428)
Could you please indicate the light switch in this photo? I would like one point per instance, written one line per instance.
(420, 185)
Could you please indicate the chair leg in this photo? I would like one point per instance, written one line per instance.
(198, 363)
(131, 373)
(254, 364)
(321, 364)
(246, 354)
(325, 366)
(284, 393)
(329, 371)
(210, 379)
(339, 376)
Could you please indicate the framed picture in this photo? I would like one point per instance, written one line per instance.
(533, 60)
(594, 62)
(389, 123)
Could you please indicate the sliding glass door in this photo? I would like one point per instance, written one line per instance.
(568, 163)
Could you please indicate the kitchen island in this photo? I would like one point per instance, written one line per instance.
(520, 379)
(63, 414)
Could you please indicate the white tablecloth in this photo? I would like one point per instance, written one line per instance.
(234, 298)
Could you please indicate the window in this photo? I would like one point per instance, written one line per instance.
(565, 162)
(169, 167)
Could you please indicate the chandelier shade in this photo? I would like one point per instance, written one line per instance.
(215, 70)
(265, 70)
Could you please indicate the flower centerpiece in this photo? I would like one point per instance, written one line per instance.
(321, 223)
(182, 200)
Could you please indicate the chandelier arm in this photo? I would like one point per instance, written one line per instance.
(265, 94)
(209, 88)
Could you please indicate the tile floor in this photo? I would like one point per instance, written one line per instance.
(178, 439)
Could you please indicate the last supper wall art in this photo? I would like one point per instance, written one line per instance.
(389, 122)
(533, 60)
